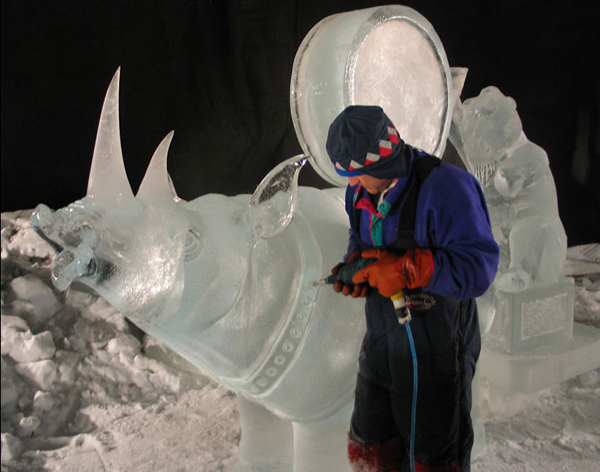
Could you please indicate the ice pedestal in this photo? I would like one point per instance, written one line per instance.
(532, 318)
(545, 365)
(534, 344)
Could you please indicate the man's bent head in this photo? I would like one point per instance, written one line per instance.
(362, 140)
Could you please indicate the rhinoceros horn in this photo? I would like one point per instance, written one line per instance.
(108, 181)
(156, 187)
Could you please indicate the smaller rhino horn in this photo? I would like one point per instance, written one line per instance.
(156, 185)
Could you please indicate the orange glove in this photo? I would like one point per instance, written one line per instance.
(390, 273)
(354, 290)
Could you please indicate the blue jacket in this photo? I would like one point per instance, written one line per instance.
(452, 221)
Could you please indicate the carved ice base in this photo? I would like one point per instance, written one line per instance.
(544, 366)
(532, 318)
(533, 344)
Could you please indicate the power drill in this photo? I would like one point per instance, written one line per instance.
(349, 270)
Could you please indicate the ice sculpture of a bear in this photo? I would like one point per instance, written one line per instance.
(519, 190)
(529, 304)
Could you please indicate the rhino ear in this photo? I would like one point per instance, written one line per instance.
(459, 76)
(272, 205)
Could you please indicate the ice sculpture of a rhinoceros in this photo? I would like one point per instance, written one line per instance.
(227, 283)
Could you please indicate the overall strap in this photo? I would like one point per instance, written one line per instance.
(422, 167)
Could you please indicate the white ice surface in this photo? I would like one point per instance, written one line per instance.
(110, 407)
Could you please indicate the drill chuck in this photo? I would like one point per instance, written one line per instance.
(347, 272)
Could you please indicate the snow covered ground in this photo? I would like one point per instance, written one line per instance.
(83, 390)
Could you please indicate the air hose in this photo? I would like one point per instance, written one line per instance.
(345, 275)
(413, 412)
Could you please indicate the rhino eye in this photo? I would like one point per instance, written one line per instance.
(81, 232)
(193, 244)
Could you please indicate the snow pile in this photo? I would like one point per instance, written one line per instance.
(587, 300)
(78, 391)
(84, 390)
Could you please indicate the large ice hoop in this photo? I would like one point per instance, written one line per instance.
(389, 56)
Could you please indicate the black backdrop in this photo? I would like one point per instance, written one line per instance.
(218, 72)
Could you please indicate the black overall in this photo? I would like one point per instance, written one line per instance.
(447, 341)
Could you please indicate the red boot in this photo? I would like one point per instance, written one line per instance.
(381, 457)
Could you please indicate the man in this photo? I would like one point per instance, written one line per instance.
(427, 225)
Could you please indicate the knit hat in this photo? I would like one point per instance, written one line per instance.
(363, 140)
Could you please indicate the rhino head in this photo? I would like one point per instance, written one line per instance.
(135, 250)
